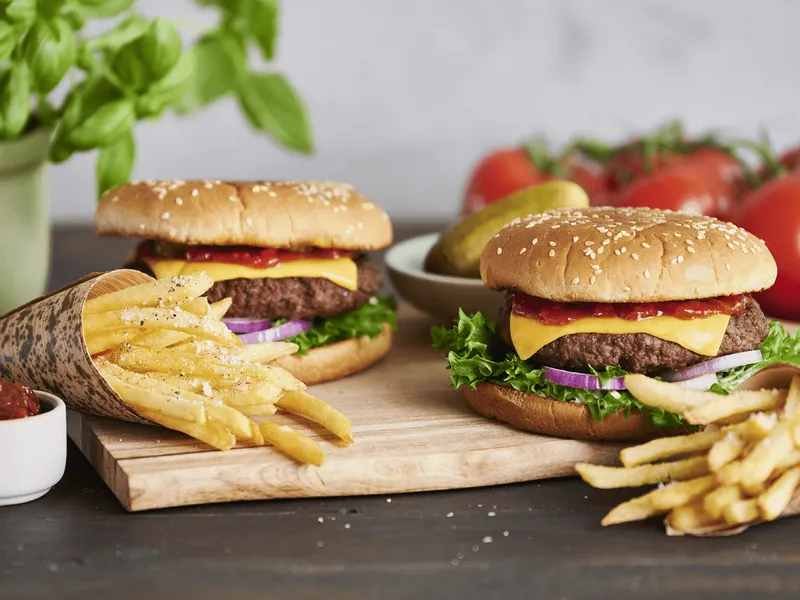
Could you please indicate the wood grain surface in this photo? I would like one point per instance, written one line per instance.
(413, 432)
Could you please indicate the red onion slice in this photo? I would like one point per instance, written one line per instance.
(246, 325)
(276, 334)
(715, 365)
(581, 380)
(702, 383)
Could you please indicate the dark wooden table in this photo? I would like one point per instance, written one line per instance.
(536, 540)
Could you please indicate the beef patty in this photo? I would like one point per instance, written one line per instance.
(641, 352)
(297, 297)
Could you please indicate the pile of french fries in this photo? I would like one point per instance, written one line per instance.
(164, 350)
(742, 468)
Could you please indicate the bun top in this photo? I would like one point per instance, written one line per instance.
(605, 254)
(275, 214)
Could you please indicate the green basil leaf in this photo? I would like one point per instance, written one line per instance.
(104, 9)
(168, 90)
(220, 60)
(75, 16)
(21, 11)
(49, 49)
(8, 39)
(49, 8)
(263, 20)
(127, 30)
(15, 100)
(160, 47)
(271, 105)
(60, 151)
(84, 98)
(104, 125)
(129, 67)
(115, 162)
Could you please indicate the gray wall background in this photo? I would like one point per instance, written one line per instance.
(405, 95)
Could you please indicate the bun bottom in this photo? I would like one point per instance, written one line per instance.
(337, 360)
(555, 417)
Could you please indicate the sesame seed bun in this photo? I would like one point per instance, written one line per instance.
(555, 417)
(337, 360)
(276, 214)
(605, 254)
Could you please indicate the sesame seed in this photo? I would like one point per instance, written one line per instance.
(690, 250)
(674, 260)
(600, 250)
(554, 226)
(249, 221)
(523, 250)
(690, 242)
(141, 226)
(552, 243)
(680, 259)
(645, 245)
(606, 242)
(727, 267)
(576, 281)
(617, 252)
(634, 256)
(195, 192)
(647, 273)
(623, 249)
(592, 279)
(588, 243)
(551, 253)
(499, 250)
(165, 216)
(730, 245)
(677, 234)
(232, 198)
(626, 288)
(208, 186)
(575, 239)
(533, 241)
(115, 199)
(178, 201)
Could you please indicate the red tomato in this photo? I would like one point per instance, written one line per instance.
(772, 212)
(590, 176)
(499, 174)
(791, 158)
(680, 187)
(628, 165)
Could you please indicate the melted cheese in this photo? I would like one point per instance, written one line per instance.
(702, 336)
(341, 271)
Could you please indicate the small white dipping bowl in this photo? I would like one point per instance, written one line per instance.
(33, 451)
(438, 295)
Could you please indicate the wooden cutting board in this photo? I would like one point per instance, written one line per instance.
(412, 430)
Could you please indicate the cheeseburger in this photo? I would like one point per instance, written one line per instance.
(594, 294)
(291, 256)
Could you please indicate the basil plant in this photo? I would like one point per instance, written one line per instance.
(136, 69)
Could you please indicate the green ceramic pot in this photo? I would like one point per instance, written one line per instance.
(24, 218)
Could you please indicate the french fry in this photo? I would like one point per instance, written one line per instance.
(265, 352)
(669, 396)
(681, 492)
(752, 489)
(254, 394)
(690, 518)
(211, 433)
(105, 340)
(166, 318)
(716, 500)
(667, 447)
(792, 459)
(759, 425)
(775, 500)
(293, 443)
(725, 451)
(792, 406)
(616, 477)
(165, 291)
(758, 465)
(196, 306)
(258, 410)
(303, 404)
(742, 511)
(217, 310)
(733, 404)
(153, 401)
(636, 509)
(255, 434)
(161, 338)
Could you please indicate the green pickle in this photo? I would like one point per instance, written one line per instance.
(458, 251)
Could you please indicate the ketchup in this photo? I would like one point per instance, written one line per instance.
(561, 313)
(17, 400)
(249, 256)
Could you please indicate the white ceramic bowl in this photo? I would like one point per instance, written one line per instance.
(437, 295)
(33, 452)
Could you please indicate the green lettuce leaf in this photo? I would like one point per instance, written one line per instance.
(366, 320)
(474, 357)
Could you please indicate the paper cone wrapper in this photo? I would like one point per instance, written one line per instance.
(42, 344)
(774, 376)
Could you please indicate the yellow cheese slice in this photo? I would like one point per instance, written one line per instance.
(341, 271)
(702, 336)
